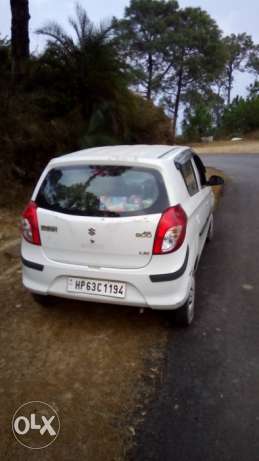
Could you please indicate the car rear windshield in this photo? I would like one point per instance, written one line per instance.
(101, 190)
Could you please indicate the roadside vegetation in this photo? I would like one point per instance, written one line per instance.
(123, 81)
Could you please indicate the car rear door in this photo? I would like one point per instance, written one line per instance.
(100, 215)
(206, 199)
(206, 208)
(198, 206)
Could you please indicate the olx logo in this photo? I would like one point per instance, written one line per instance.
(36, 425)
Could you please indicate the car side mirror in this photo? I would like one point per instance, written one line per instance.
(215, 181)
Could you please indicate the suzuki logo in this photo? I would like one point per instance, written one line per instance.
(91, 231)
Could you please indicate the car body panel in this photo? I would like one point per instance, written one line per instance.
(94, 241)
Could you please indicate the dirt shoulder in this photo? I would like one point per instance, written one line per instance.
(228, 147)
(217, 190)
(9, 225)
(97, 365)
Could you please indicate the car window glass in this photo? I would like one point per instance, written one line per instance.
(201, 169)
(103, 190)
(190, 178)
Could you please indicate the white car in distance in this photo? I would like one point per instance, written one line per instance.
(123, 225)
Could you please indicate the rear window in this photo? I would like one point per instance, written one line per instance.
(98, 190)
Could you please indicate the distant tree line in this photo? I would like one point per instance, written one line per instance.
(180, 59)
(123, 81)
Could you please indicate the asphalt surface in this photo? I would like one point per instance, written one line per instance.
(208, 406)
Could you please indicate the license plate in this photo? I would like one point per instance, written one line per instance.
(97, 287)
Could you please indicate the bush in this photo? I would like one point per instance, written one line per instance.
(241, 117)
(75, 95)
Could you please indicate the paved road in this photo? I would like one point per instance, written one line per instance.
(208, 406)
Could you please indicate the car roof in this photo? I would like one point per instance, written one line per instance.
(124, 153)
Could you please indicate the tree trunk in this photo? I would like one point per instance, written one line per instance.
(150, 76)
(20, 37)
(177, 101)
(229, 85)
(229, 92)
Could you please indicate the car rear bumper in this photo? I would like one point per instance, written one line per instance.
(146, 287)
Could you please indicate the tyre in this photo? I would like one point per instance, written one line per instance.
(211, 231)
(184, 316)
(43, 300)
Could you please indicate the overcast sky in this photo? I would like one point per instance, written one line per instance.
(231, 15)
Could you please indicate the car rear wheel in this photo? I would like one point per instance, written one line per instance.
(185, 314)
(43, 300)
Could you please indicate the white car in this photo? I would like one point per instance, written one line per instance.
(123, 225)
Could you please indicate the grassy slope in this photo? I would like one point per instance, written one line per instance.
(228, 147)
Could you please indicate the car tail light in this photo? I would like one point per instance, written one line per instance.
(171, 231)
(29, 224)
